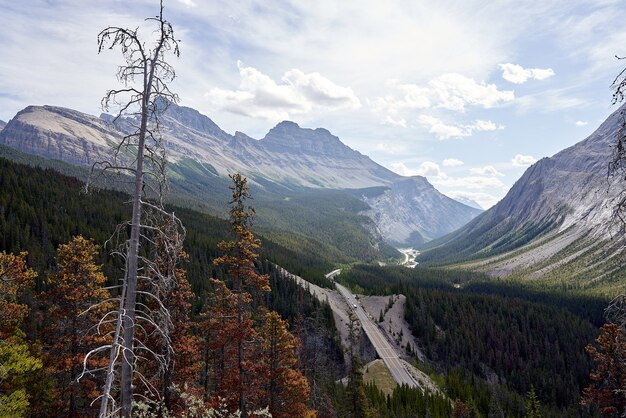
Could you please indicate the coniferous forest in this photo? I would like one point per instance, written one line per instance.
(139, 280)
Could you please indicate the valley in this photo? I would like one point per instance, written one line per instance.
(312, 210)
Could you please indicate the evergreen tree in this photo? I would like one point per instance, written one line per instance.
(287, 389)
(18, 365)
(608, 379)
(74, 303)
(358, 403)
(240, 381)
(533, 406)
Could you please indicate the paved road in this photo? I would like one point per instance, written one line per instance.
(332, 274)
(380, 343)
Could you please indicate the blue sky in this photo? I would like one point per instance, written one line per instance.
(467, 93)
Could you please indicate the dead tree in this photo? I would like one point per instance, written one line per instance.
(140, 160)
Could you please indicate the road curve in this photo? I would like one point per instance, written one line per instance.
(380, 343)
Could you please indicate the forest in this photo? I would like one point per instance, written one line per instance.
(490, 344)
(44, 217)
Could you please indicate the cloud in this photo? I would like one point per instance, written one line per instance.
(487, 170)
(519, 75)
(259, 95)
(449, 91)
(549, 101)
(452, 162)
(469, 182)
(444, 131)
(485, 200)
(188, 3)
(476, 187)
(581, 123)
(426, 169)
(400, 122)
(523, 160)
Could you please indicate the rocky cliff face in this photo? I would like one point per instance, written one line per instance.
(59, 133)
(559, 211)
(409, 211)
(2, 124)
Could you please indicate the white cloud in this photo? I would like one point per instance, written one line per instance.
(469, 182)
(400, 122)
(485, 200)
(188, 3)
(549, 101)
(321, 90)
(426, 169)
(444, 131)
(487, 170)
(259, 95)
(581, 123)
(517, 74)
(449, 91)
(452, 162)
(523, 160)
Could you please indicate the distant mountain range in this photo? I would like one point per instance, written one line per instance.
(555, 222)
(290, 165)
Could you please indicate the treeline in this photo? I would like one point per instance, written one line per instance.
(491, 345)
(41, 209)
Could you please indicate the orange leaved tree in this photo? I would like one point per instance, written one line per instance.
(608, 379)
(75, 302)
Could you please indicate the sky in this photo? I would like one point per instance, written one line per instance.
(467, 93)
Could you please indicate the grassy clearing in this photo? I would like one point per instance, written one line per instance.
(376, 372)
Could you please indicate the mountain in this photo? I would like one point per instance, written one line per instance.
(555, 222)
(467, 201)
(61, 134)
(2, 124)
(411, 211)
(289, 164)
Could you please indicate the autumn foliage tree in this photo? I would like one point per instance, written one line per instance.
(237, 373)
(287, 389)
(74, 303)
(253, 352)
(607, 389)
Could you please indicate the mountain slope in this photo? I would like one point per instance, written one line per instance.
(289, 164)
(554, 223)
(411, 211)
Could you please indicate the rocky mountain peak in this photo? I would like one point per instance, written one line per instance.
(193, 119)
(289, 137)
(2, 124)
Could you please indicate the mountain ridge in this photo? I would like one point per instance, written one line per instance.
(287, 158)
(554, 223)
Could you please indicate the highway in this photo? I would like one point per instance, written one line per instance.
(380, 343)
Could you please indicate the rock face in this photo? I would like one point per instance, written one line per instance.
(559, 203)
(59, 133)
(409, 211)
(2, 124)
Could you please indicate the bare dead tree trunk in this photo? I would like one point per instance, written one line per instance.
(133, 253)
(141, 154)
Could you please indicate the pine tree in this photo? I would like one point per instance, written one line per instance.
(359, 407)
(608, 379)
(17, 363)
(287, 389)
(533, 406)
(240, 382)
(68, 334)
